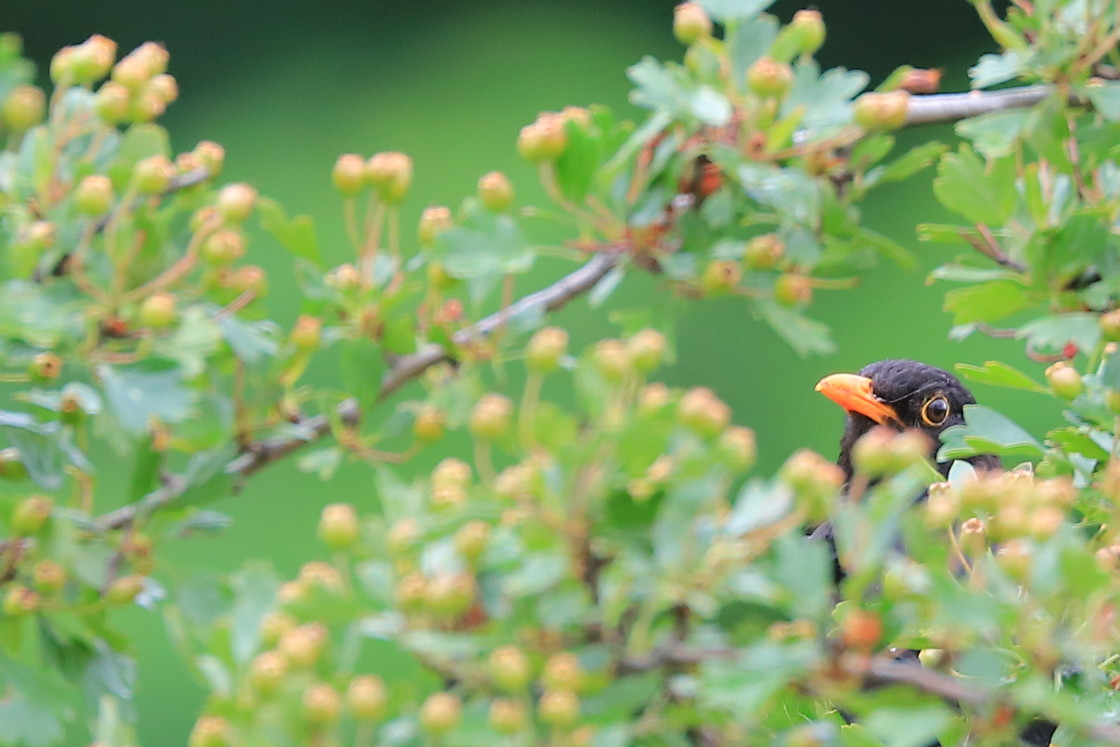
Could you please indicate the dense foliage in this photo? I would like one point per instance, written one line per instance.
(605, 574)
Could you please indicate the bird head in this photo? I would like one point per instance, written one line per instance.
(900, 394)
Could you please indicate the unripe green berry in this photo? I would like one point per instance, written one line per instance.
(491, 417)
(316, 574)
(646, 349)
(24, 107)
(63, 65)
(691, 23)
(932, 658)
(390, 174)
(1112, 401)
(322, 705)
(1014, 557)
(11, 465)
(349, 174)
(307, 332)
(791, 289)
(768, 77)
(158, 310)
(223, 247)
(809, 472)
(112, 103)
(45, 367)
(1065, 380)
(235, 202)
(48, 576)
(211, 731)
(274, 626)
(810, 30)
(411, 593)
(403, 537)
(701, 411)
(367, 698)
(153, 175)
(125, 589)
(338, 526)
(440, 713)
(495, 191)
(720, 277)
(1110, 325)
(346, 278)
(164, 87)
(764, 252)
(563, 671)
(612, 360)
(95, 59)
(509, 669)
(546, 347)
(434, 220)
(250, 278)
(20, 601)
(471, 540)
(94, 195)
(507, 716)
(653, 399)
(30, 515)
(737, 445)
(882, 111)
(304, 646)
(558, 707)
(450, 594)
(267, 672)
(543, 140)
(212, 157)
(430, 425)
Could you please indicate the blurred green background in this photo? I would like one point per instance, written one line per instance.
(287, 85)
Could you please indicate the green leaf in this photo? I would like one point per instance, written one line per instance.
(192, 342)
(1001, 374)
(908, 726)
(1052, 333)
(804, 335)
(969, 274)
(40, 452)
(297, 234)
(671, 88)
(942, 234)
(996, 68)
(138, 392)
(1105, 98)
(824, 100)
(33, 314)
(889, 248)
(986, 302)
(250, 341)
(734, 10)
(575, 169)
(994, 135)
(981, 194)
(988, 431)
(789, 192)
(485, 245)
(758, 505)
(34, 705)
(254, 594)
(360, 365)
(206, 478)
(748, 41)
(910, 163)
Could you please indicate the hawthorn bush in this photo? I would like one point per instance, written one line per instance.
(606, 574)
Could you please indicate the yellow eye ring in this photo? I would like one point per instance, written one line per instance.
(935, 411)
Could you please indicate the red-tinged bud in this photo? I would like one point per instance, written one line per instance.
(235, 202)
(158, 310)
(495, 191)
(558, 708)
(508, 716)
(861, 630)
(1110, 325)
(345, 278)
(691, 23)
(20, 601)
(646, 349)
(64, 65)
(1064, 380)
(131, 72)
(154, 56)
(882, 111)
(720, 277)
(163, 87)
(563, 671)
(274, 626)
(768, 77)
(793, 290)
(546, 347)
(737, 445)
(93, 60)
(367, 698)
(390, 174)
(942, 506)
(440, 713)
(24, 107)
(349, 174)
(974, 537)
(267, 672)
(322, 705)
(339, 527)
(1108, 558)
(543, 140)
(125, 589)
(491, 417)
(153, 175)
(809, 29)
(316, 574)
(764, 252)
(307, 333)
(48, 577)
(430, 425)
(211, 731)
(304, 646)
(612, 360)
(702, 412)
(30, 515)
(471, 540)
(223, 247)
(94, 195)
(45, 367)
(146, 106)
(510, 669)
(250, 278)
(921, 80)
(411, 593)
(452, 471)
(450, 594)
(11, 465)
(212, 157)
(292, 593)
(403, 537)
(112, 103)
(1045, 521)
(1014, 557)
(434, 220)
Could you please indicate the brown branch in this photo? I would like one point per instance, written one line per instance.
(263, 453)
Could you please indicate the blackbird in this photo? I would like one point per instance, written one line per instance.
(906, 394)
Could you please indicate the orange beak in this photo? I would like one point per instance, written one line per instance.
(854, 394)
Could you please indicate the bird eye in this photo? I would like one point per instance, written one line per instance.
(935, 411)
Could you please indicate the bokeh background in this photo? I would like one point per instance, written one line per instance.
(286, 85)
